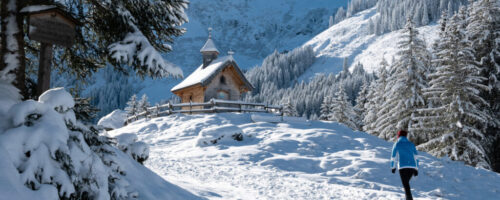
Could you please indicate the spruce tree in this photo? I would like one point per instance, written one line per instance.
(375, 98)
(342, 111)
(132, 106)
(403, 96)
(143, 104)
(289, 110)
(483, 30)
(325, 109)
(361, 101)
(460, 118)
(122, 33)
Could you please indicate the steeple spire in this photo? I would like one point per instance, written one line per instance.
(209, 50)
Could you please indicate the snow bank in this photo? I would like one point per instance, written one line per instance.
(128, 143)
(222, 135)
(270, 118)
(288, 160)
(113, 120)
(57, 97)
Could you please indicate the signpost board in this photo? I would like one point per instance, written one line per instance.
(49, 25)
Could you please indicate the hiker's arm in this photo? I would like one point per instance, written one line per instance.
(394, 156)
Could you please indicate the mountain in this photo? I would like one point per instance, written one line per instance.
(295, 159)
(352, 39)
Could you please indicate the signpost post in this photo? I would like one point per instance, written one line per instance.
(49, 25)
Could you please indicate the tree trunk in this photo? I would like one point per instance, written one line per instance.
(43, 83)
(17, 72)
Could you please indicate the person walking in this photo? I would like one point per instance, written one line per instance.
(404, 154)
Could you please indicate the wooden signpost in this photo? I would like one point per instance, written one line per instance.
(49, 25)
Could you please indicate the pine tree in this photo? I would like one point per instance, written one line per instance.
(406, 81)
(361, 101)
(340, 15)
(325, 109)
(141, 34)
(342, 111)
(330, 22)
(375, 98)
(289, 110)
(84, 111)
(483, 30)
(132, 106)
(460, 119)
(143, 104)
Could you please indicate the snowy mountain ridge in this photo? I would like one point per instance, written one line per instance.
(352, 39)
(293, 160)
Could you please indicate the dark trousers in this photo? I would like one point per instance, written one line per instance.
(406, 175)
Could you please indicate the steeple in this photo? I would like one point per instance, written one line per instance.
(209, 51)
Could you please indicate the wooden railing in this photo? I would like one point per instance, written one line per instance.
(212, 106)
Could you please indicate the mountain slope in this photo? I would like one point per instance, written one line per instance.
(351, 38)
(293, 160)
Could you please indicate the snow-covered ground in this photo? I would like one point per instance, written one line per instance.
(316, 160)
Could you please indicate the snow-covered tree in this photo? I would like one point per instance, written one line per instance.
(342, 111)
(375, 98)
(143, 104)
(345, 69)
(340, 15)
(142, 32)
(355, 6)
(66, 159)
(330, 22)
(132, 106)
(483, 30)
(403, 95)
(460, 118)
(359, 108)
(326, 108)
(84, 111)
(289, 109)
(393, 14)
(307, 96)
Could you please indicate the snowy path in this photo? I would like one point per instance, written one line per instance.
(294, 161)
(235, 180)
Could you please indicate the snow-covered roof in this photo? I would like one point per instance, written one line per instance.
(203, 75)
(209, 46)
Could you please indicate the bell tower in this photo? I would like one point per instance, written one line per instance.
(209, 51)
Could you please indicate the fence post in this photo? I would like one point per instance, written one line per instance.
(281, 112)
(157, 110)
(214, 105)
(190, 107)
(170, 108)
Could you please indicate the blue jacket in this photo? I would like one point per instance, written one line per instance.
(404, 153)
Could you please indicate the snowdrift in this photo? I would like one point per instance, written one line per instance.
(289, 160)
(47, 154)
(113, 120)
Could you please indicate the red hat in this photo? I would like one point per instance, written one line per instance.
(402, 133)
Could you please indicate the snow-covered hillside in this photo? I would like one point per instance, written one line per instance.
(296, 160)
(351, 38)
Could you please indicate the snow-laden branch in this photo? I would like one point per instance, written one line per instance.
(136, 48)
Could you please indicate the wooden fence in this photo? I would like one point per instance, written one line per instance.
(212, 106)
